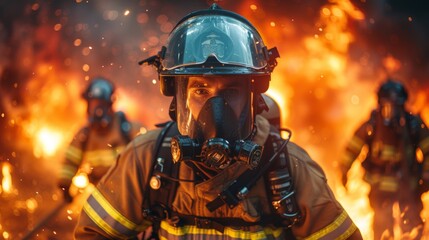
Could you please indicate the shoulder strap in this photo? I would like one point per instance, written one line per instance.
(160, 190)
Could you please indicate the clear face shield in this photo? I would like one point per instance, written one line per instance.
(230, 41)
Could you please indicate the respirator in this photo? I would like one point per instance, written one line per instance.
(100, 116)
(216, 139)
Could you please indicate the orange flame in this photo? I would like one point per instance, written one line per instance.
(6, 183)
(48, 141)
(81, 180)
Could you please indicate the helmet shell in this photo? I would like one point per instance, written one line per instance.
(99, 88)
(393, 91)
(214, 42)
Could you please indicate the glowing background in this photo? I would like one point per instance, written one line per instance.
(333, 53)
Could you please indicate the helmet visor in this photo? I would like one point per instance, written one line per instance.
(228, 39)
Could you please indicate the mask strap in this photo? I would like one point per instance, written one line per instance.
(252, 134)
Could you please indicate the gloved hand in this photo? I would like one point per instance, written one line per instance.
(66, 193)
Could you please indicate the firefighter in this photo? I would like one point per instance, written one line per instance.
(393, 137)
(96, 145)
(216, 171)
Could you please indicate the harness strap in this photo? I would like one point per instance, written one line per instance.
(233, 194)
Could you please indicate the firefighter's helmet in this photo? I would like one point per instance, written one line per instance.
(99, 88)
(394, 91)
(215, 42)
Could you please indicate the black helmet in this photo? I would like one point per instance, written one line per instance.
(99, 88)
(392, 96)
(214, 42)
(394, 91)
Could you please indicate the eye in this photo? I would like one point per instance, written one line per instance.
(201, 91)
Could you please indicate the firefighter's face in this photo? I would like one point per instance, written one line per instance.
(230, 89)
(389, 110)
(99, 112)
(215, 106)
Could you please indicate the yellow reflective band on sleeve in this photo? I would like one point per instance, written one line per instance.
(347, 159)
(424, 145)
(388, 184)
(74, 154)
(355, 145)
(105, 157)
(109, 219)
(101, 223)
(342, 228)
(68, 171)
(189, 231)
(114, 213)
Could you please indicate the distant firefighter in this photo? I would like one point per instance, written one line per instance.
(395, 168)
(96, 145)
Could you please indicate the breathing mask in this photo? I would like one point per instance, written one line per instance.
(215, 120)
(391, 99)
(100, 114)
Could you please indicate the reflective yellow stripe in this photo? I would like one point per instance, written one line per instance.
(74, 154)
(101, 223)
(68, 171)
(389, 154)
(189, 230)
(333, 227)
(113, 212)
(388, 185)
(347, 159)
(356, 144)
(105, 157)
(347, 233)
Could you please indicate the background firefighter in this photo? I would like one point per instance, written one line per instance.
(394, 166)
(96, 145)
(215, 66)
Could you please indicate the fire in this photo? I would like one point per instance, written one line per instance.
(322, 93)
(6, 183)
(48, 141)
(327, 68)
(81, 180)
